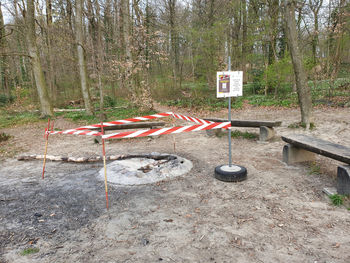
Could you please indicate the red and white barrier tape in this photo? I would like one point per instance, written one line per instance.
(203, 125)
(136, 119)
(171, 130)
(192, 119)
(76, 132)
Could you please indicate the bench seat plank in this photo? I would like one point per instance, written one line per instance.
(248, 123)
(319, 146)
(130, 126)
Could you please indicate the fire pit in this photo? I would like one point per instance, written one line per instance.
(145, 169)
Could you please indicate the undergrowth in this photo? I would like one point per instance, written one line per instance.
(297, 125)
(245, 135)
(110, 115)
(314, 168)
(10, 119)
(200, 96)
(4, 137)
(337, 200)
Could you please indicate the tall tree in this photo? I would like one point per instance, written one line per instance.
(4, 71)
(304, 92)
(315, 6)
(125, 43)
(174, 40)
(46, 106)
(81, 56)
(50, 70)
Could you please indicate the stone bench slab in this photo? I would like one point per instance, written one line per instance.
(319, 146)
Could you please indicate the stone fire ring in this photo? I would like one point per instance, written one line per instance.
(146, 169)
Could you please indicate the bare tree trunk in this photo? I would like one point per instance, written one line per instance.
(99, 59)
(46, 107)
(244, 38)
(125, 43)
(81, 57)
(108, 25)
(173, 38)
(236, 29)
(304, 93)
(315, 6)
(51, 72)
(4, 73)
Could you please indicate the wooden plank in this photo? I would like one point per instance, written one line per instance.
(319, 146)
(248, 123)
(95, 158)
(78, 110)
(135, 125)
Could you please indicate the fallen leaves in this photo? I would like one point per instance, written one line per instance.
(336, 245)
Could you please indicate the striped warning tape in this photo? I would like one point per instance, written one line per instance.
(171, 130)
(192, 119)
(84, 129)
(136, 119)
(76, 132)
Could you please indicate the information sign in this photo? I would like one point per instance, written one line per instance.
(229, 84)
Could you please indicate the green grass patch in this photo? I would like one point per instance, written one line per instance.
(9, 119)
(314, 169)
(29, 251)
(202, 96)
(336, 199)
(262, 100)
(111, 115)
(297, 125)
(4, 100)
(244, 135)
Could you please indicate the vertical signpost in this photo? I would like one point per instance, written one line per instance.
(229, 84)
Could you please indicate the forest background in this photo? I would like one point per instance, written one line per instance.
(107, 53)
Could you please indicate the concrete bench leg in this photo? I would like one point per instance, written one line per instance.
(292, 154)
(343, 180)
(266, 133)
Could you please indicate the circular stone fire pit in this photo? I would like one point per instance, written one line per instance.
(145, 169)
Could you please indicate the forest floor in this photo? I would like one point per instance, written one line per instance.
(279, 214)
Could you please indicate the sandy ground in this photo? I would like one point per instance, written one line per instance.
(278, 215)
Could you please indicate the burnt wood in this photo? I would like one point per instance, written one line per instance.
(248, 123)
(319, 146)
(130, 126)
(157, 157)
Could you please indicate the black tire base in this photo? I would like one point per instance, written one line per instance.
(230, 176)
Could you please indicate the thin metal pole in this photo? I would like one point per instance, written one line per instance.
(229, 119)
(46, 136)
(104, 164)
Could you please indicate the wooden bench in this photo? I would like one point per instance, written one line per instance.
(126, 126)
(133, 125)
(301, 148)
(266, 127)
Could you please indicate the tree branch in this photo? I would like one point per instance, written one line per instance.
(7, 34)
(14, 54)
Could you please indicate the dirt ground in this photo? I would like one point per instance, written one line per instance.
(278, 215)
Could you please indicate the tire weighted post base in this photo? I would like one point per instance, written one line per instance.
(233, 173)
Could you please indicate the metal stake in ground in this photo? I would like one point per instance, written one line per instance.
(46, 136)
(229, 119)
(226, 88)
(104, 164)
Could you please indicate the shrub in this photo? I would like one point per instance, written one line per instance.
(4, 137)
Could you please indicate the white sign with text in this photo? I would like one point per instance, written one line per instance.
(229, 84)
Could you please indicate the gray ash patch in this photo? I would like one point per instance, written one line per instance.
(34, 208)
